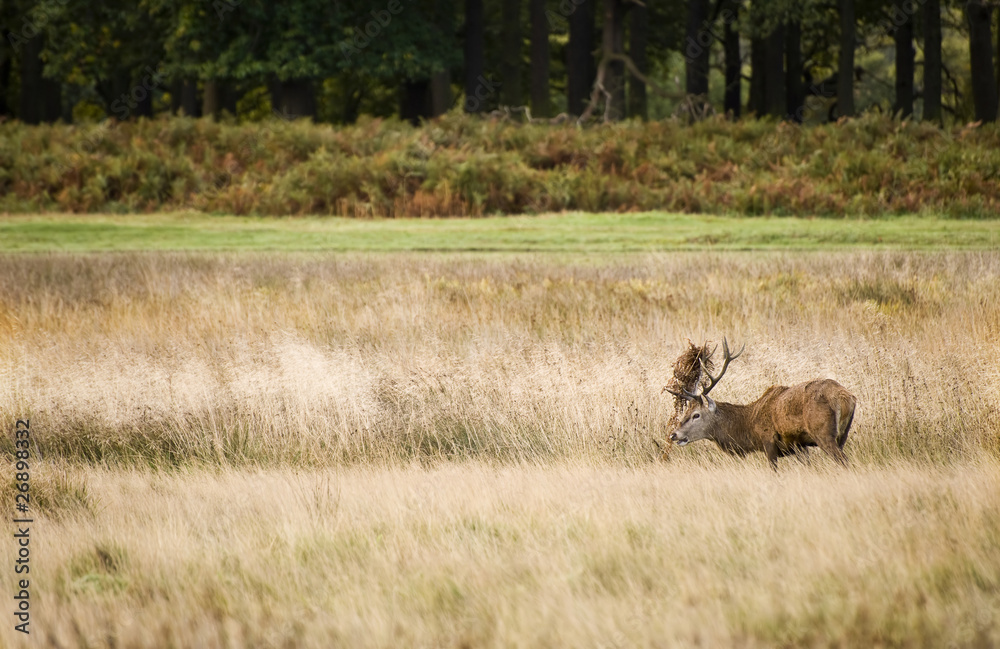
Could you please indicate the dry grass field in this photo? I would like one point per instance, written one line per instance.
(305, 450)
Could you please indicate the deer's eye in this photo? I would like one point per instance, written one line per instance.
(696, 415)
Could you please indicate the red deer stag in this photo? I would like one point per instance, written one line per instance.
(781, 422)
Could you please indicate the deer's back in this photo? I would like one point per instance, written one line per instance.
(794, 411)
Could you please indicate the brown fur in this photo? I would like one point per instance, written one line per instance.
(783, 421)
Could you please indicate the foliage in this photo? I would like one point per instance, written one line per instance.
(104, 44)
(460, 165)
(246, 39)
(359, 54)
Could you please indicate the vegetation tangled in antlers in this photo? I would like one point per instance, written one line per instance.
(690, 369)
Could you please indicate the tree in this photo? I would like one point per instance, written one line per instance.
(292, 44)
(794, 73)
(758, 69)
(415, 48)
(6, 67)
(696, 51)
(984, 90)
(612, 46)
(31, 106)
(230, 46)
(734, 63)
(539, 59)
(767, 59)
(845, 66)
(184, 97)
(580, 57)
(115, 47)
(510, 54)
(932, 60)
(475, 57)
(441, 97)
(903, 39)
(775, 99)
(638, 105)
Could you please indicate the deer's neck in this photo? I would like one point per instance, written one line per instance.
(734, 432)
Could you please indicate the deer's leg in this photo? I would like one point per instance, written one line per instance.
(843, 427)
(827, 440)
(771, 448)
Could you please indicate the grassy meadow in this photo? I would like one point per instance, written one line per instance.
(281, 446)
(574, 232)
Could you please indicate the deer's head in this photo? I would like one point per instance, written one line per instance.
(701, 417)
(698, 421)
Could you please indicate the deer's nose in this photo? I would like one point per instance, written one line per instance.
(673, 437)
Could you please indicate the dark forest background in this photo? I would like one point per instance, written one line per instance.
(807, 61)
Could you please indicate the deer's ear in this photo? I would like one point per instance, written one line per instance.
(711, 404)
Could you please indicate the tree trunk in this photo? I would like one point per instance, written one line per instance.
(31, 105)
(758, 68)
(6, 66)
(984, 90)
(144, 106)
(189, 98)
(510, 56)
(638, 103)
(580, 57)
(298, 98)
(175, 96)
(475, 57)
(903, 37)
(697, 47)
(440, 93)
(539, 59)
(415, 100)
(932, 60)
(351, 107)
(211, 99)
(775, 98)
(52, 100)
(731, 45)
(441, 96)
(613, 42)
(795, 106)
(141, 90)
(274, 90)
(845, 67)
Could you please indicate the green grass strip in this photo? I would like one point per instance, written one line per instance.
(571, 232)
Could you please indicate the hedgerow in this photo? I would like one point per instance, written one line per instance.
(458, 165)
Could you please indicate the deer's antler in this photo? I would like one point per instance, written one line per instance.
(728, 357)
(683, 394)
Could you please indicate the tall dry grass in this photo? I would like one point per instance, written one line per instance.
(563, 555)
(256, 451)
(168, 359)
